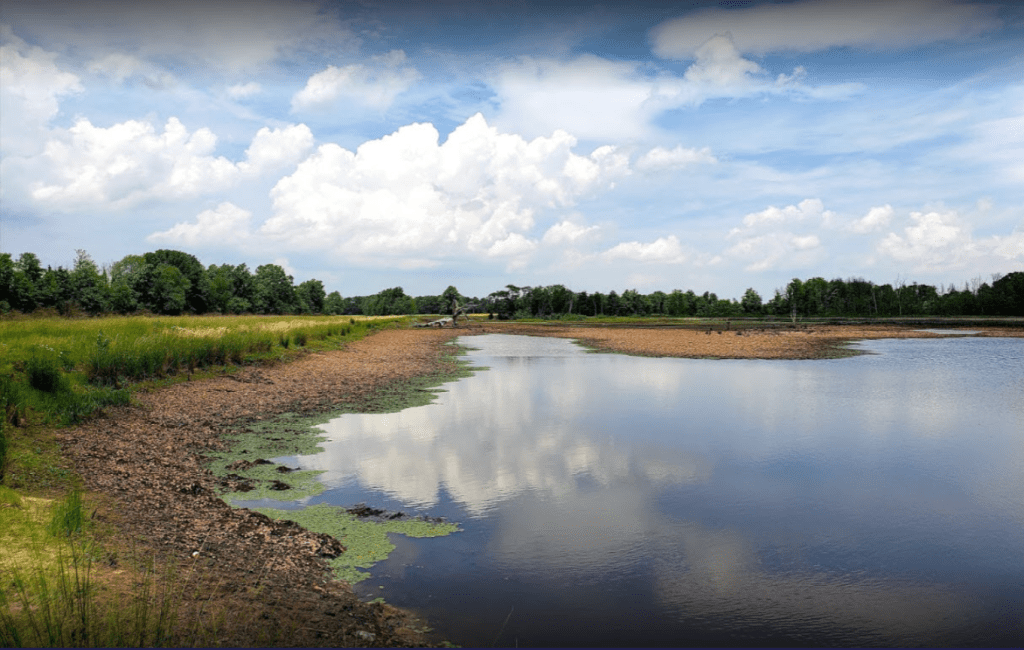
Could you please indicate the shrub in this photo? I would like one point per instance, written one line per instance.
(44, 373)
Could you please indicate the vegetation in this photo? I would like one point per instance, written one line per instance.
(171, 282)
(53, 590)
(61, 588)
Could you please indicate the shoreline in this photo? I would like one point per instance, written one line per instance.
(724, 340)
(147, 464)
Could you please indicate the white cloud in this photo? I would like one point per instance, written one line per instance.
(31, 88)
(272, 149)
(718, 63)
(766, 240)
(242, 91)
(777, 250)
(225, 224)
(806, 209)
(130, 162)
(937, 241)
(375, 86)
(664, 250)
(566, 232)
(407, 196)
(876, 219)
(805, 243)
(812, 25)
(720, 71)
(660, 158)
(543, 95)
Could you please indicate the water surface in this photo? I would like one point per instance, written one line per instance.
(615, 500)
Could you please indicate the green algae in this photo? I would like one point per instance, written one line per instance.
(296, 434)
(366, 541)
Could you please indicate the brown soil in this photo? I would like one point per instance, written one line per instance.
(726, 341)
(268, 578)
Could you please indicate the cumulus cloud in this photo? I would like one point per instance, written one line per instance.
(776, 249)
(130, 161)
(374, 85)
(30, 93)
(664, 250)
(661, 159)
(406, 196)
(276, 148)
(940, 240)
(806, 209)
(225, 224)
(719, 70)
(812, 25)
(876, 219)
(566, 232)
(767, 240)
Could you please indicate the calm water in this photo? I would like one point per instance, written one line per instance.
(615, 500)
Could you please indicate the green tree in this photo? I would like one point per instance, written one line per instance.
(333, 304)
(6, 282)
(273, 290)
(89, 285)
(197, 295)
(170, 289)
(310, 296)
(751, 302)
(448, 299)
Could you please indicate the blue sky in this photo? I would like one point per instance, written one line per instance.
(606, 146)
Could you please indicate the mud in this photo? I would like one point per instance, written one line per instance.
(146, 469)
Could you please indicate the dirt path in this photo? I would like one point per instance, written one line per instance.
(268, 578)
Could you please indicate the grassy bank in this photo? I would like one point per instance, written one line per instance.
(60, 583)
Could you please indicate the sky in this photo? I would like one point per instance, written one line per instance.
(647, 145)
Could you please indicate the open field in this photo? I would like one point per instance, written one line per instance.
(144, 471)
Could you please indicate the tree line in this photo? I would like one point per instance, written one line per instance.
(173, 282)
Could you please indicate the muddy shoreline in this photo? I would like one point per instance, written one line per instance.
(145, 464)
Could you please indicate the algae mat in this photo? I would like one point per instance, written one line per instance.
(246, 473)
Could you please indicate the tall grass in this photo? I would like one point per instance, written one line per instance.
(59, 595)
(4, 445)
(55, 601)
(68, 368)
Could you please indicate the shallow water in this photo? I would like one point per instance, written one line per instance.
(615, 500)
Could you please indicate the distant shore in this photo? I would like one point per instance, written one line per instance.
(732, 340)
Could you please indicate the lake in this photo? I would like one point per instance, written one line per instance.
(609, 500)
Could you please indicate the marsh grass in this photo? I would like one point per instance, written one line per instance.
(66, 369)
(55, 590)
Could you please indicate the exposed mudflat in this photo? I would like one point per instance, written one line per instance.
(271, 578)
(729, 341)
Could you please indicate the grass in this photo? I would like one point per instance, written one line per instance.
(60, 587)
(56, 372)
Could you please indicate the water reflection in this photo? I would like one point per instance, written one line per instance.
(872, 500)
